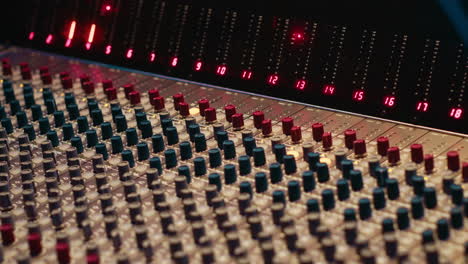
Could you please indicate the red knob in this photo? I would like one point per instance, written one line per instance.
(203, 104)
(229, 110)
(26, 74)
(88, 87)
(184, 109)
(24, 65)
(238, 121)
(67, 82)
(43, 69)
(128, 88)
(359, 146)
(46, 78)
(266, 127)
(296, 134)
(92, 259)
(393, 155)
(382, 146)
(64, 74)
(178, 98)
(84, 78)
(417, 154)
(152, 94)
(287, 124)
(7, 69)
(258, 117)
(107, 84)
(63, 252)
(135, 97)
(428, 163)
(453, 160)
(210, 114)
(8, 234)
(35, 244)
(350, 137)
(465, 171)
(159, 103)
(111, 93)
(327, 141)
(317, 131)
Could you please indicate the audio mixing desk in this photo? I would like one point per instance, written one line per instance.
(100, 164)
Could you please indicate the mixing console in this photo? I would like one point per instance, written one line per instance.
(106, 165)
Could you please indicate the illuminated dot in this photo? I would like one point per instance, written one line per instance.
(108, 7)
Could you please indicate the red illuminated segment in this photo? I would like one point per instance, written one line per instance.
(300, 84)
(49, 39)
(129, 53)
(422, 106)
(152, 57)
(221, 70)
(108, 50)
(31, 35)
(197, 66)
(456, 113)
(108, 8)
(329, 89)
(273, 79)
(246, 75)
(358, 95)
(389, 101)
(71, 34)
(92, 31)
(174, 61)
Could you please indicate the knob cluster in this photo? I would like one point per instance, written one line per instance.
(96, 169)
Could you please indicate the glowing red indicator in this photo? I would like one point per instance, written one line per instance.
(108, 7)
(329, 89)
(71, 34)
(422, 106)
(197, 66)
(246, 75)
(174, 61)
(273, 79)
(297, 36)
(31, 35)
(221, 70)
(358, 95)
(456, 113)
(108, 50)
(92, 30)
(389, 101)
(152, 57)
(129, 53)
(300, 84)
(49, 39)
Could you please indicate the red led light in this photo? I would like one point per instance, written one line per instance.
(329, 89)
(297, 36)
(71, 34)
(152, 57)
(174, 61)
(49, 39)
(108, 8)
(300, 84)
(197, 66)
(129, 53)
(389, 101)
(108, 50)
(456, 112)
(273, 79)
(422, 106)
(358, 95)
(246, 75)
(221, 70)
(92, 31)
(31, 35)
